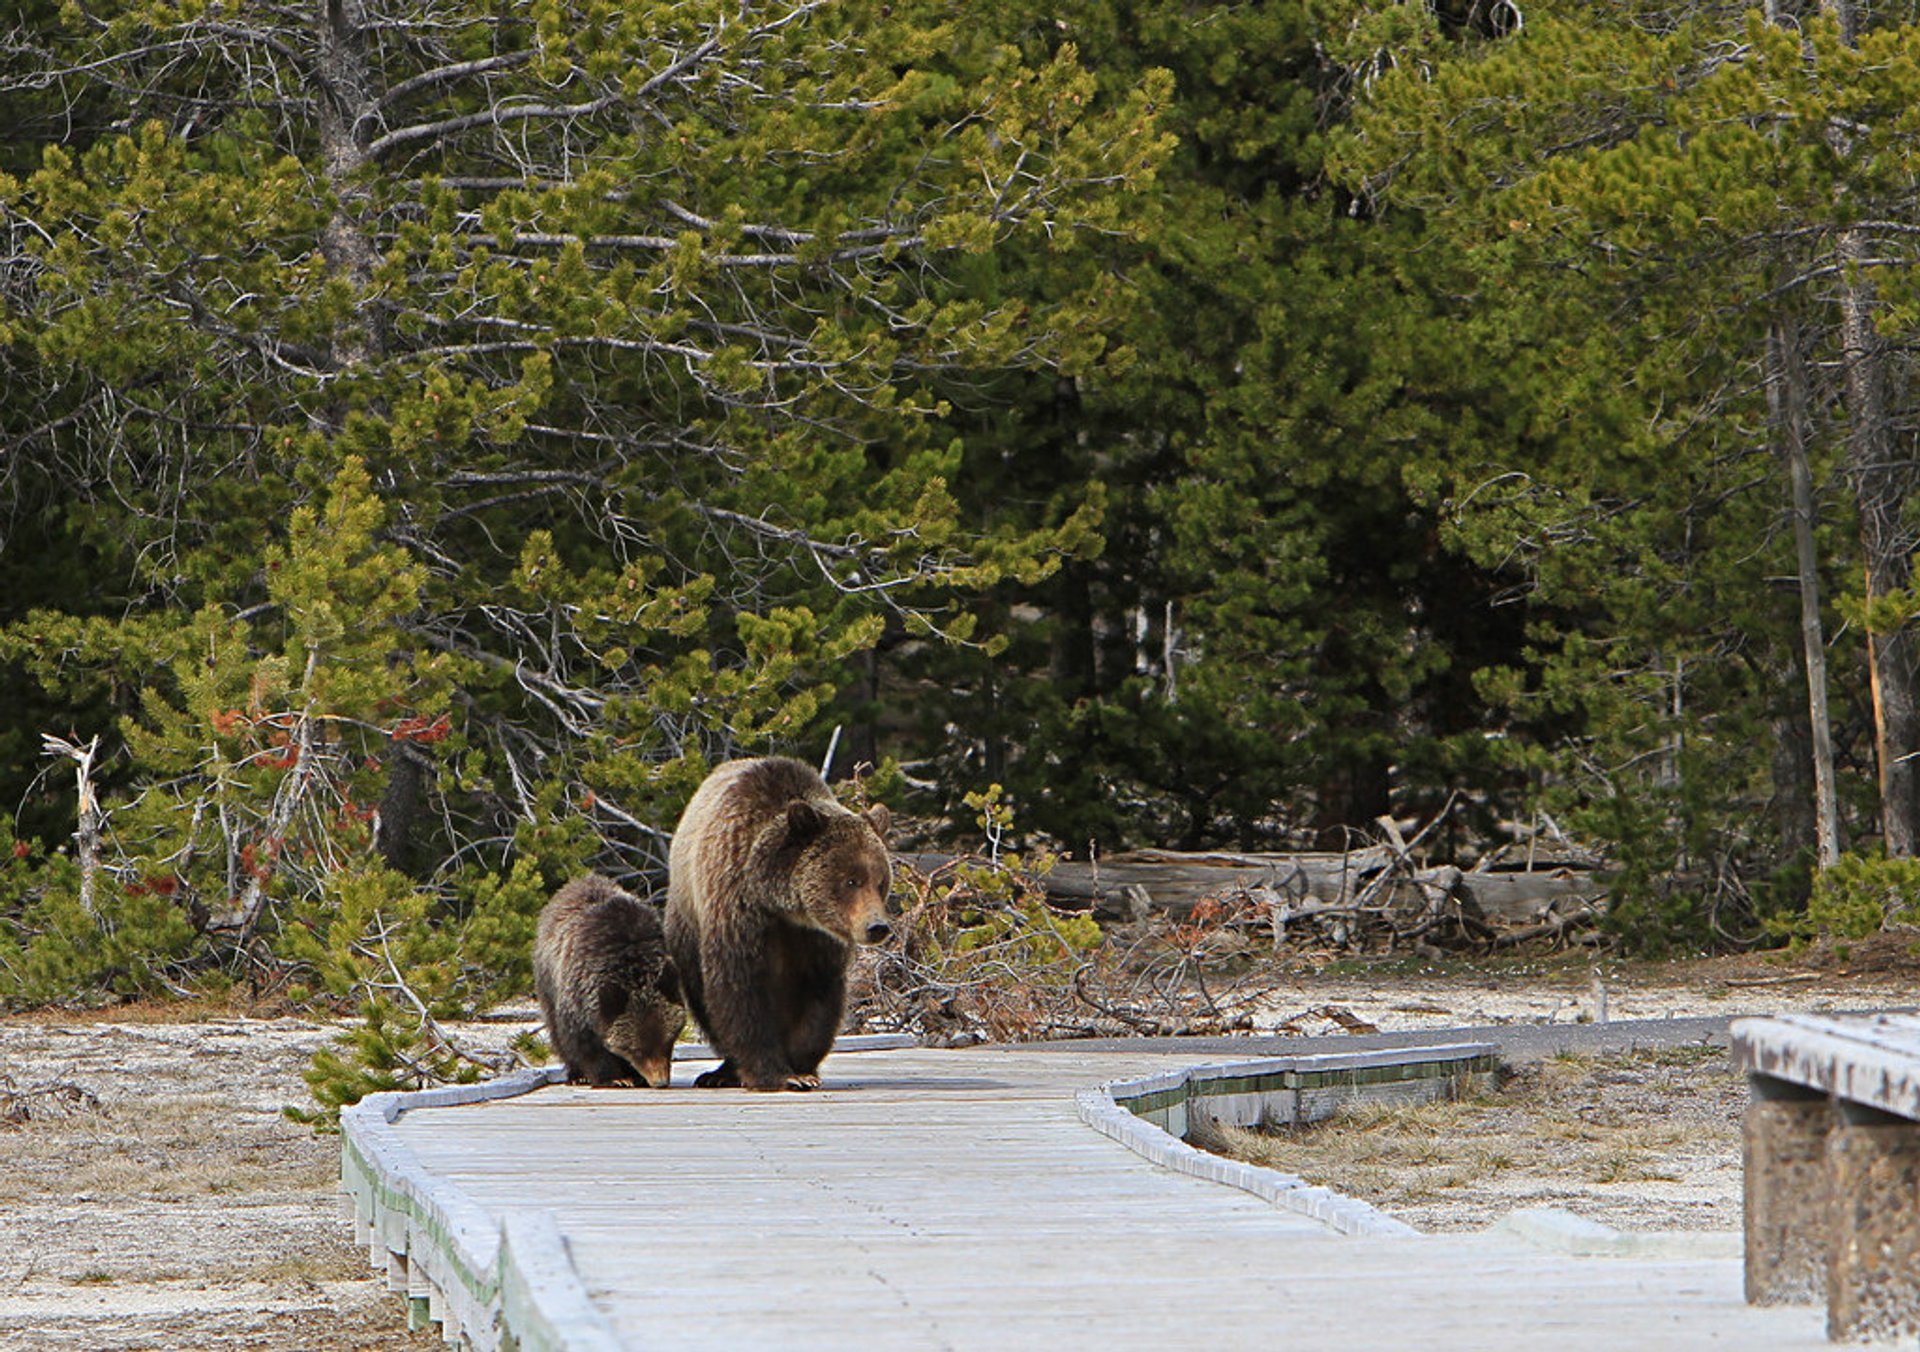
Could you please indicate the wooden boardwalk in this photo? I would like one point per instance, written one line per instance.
(956, 1199)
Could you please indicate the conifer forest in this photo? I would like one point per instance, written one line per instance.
(433, 435)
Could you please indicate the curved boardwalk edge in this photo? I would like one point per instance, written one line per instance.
(489, 1284)
(454, 1262)
(504, 1281)
(542, 1301)
(1150, 1115)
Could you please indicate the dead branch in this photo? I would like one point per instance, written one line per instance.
(441, 1040)
(300, 775)
(87, 835)
(1555, 928)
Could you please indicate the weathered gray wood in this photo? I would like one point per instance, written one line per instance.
(1873, 1061)
(953, 1199)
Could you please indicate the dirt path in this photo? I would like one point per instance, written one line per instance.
(154, 1197)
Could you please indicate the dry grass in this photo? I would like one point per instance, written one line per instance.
(310, 1269)
(1641, 1140)
(164, 1149)
(169, 1203)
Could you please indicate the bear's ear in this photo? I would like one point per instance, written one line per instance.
(805, 821)
(880, 819)
(668, 983)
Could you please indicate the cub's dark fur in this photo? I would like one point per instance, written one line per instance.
(773, 881)
(607, 988)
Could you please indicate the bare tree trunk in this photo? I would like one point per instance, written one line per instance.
(1881, 488)
(86, 837)
(345, 114)
(1787, 423)
(346, 117)
(409, 771)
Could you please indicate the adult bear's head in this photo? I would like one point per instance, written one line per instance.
(841, 871)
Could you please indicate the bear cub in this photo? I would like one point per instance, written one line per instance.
(608, 990)
(772, 881)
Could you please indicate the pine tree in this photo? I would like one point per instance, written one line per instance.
(1273, 637)
(1648, 198)
(643, 321)
(454, 436)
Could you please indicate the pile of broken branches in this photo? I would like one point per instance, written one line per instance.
(1392, 901)
(985, 956)
(994, 950)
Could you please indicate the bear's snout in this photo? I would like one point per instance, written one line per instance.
(878, 931)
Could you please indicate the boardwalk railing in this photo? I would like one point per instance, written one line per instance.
(1832, 1158)
(456, 1265)
(1157, 1115)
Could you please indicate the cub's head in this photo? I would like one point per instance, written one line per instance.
(642, 1017)
(841, 872)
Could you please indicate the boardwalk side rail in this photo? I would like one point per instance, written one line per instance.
(1155, 1115)
(505, 1286)
(456, 1265)
(1832, 1168)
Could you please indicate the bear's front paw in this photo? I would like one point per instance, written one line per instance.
(722, 1076)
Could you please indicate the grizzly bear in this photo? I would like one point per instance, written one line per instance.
(771, 882)
(607, 988)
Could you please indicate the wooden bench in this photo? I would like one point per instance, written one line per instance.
(1832, 1159)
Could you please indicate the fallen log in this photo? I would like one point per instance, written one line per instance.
(1138, 883)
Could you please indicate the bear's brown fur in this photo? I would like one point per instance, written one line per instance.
(772, 882)
(608, 990)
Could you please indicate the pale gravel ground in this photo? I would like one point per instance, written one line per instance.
(1648, 1143)
(1398, 1003)
(187, 1212)
(1640, 1141)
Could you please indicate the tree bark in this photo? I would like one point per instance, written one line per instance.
(1881, 487)
(409, 773)
(1787, 425)
(345, 121)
